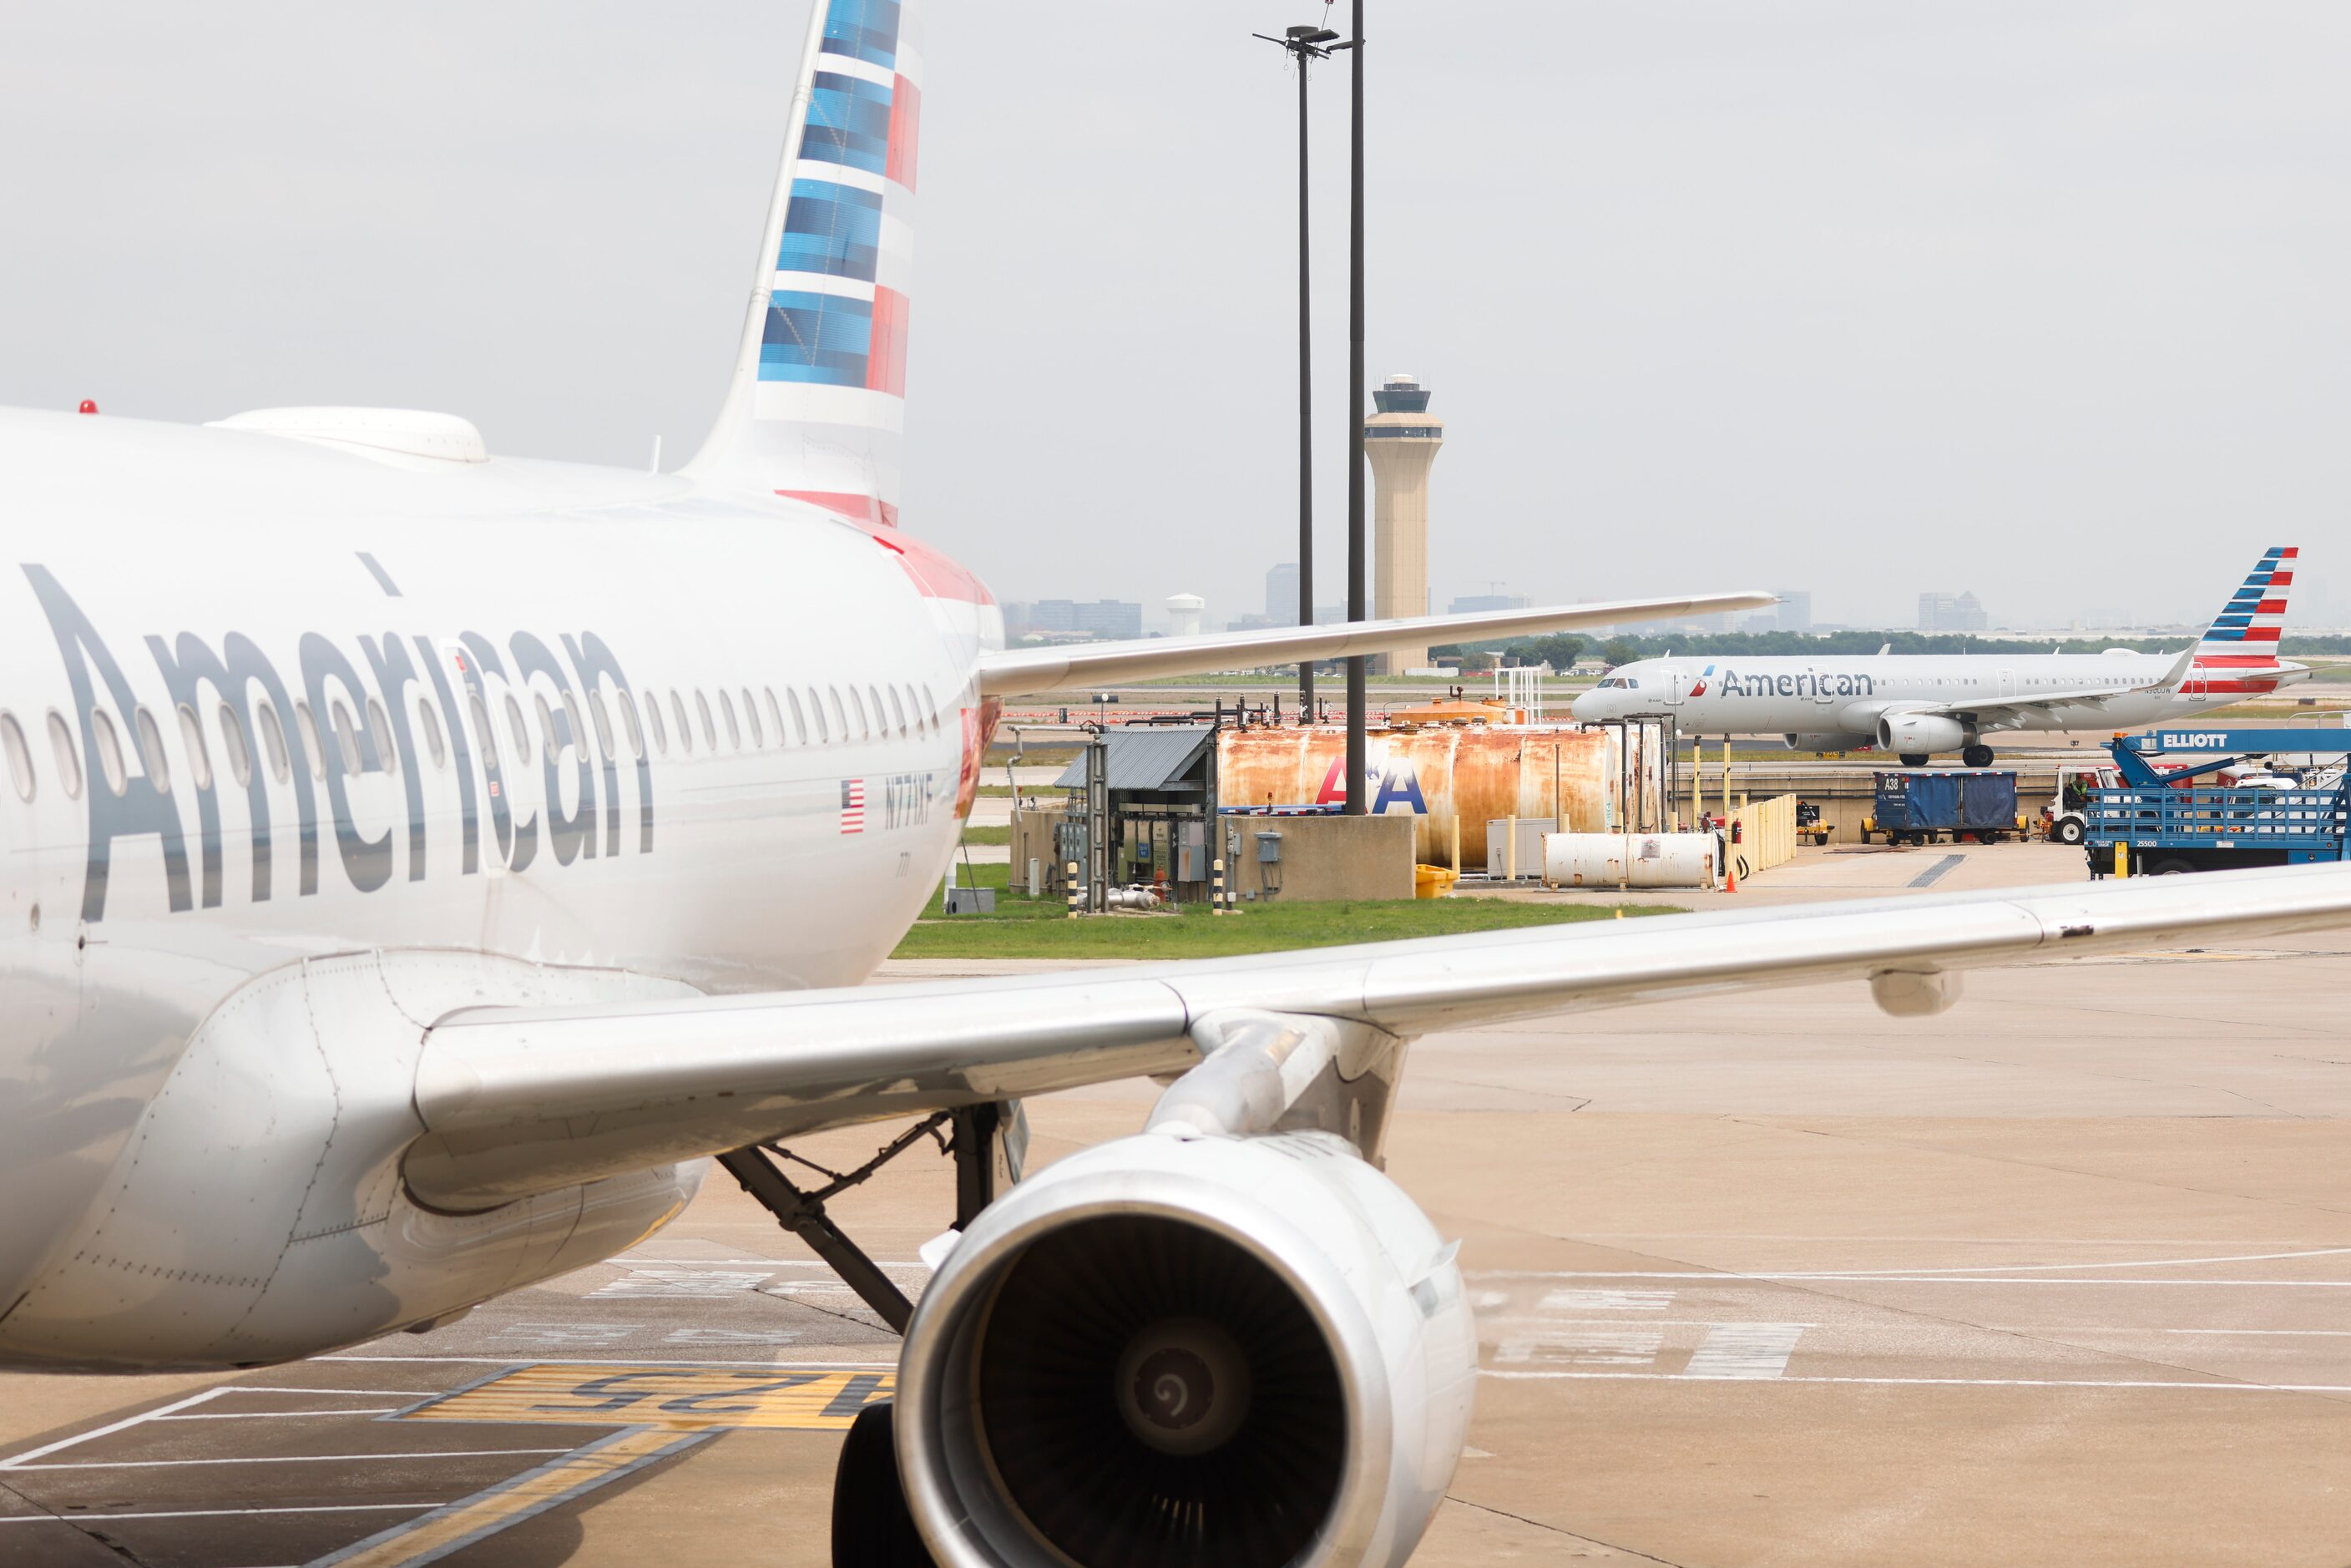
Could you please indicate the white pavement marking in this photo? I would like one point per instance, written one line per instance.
(1572, 1301)
(199, 1397)
(2047, 1268)
(1867, 1279)
(289, 1459)
(644, 1284)
(1604, 1347)
(227, 1513)
(1745, 1350)
(633, 1361)
(2222, 1387)
(288, 1415)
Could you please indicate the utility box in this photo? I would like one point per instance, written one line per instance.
(1316, 859)
(971, 901)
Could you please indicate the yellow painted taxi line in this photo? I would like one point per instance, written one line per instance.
(473, 1519)
(666, 1398)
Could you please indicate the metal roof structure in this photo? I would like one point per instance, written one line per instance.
(1152, 758)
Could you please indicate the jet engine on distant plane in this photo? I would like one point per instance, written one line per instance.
(1914, 734)
(1834, 740)
(1188, 1347)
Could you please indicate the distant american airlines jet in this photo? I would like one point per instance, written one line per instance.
(1917, 704)
(420, 864)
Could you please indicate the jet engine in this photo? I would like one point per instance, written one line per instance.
(1914, 732)
(1834, 740)
(1184, 1348)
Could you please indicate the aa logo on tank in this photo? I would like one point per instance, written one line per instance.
(1391, 781)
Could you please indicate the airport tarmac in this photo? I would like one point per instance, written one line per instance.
(2061, 1276)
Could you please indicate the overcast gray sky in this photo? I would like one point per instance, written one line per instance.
(2045, 301)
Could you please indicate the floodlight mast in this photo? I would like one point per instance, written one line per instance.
(1304, 44)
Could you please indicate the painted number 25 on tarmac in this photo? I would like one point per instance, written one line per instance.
(682, 1398)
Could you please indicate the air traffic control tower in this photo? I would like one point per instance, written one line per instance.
(1400, 440)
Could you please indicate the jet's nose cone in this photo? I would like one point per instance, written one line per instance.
(1586, 706)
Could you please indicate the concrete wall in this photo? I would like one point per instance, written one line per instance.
(1325, 858)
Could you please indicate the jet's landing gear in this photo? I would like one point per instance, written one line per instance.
(1977, 755)
(1915, 759)
(871, 1526)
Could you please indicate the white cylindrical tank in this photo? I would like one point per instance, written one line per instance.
(1184, 614)
(1629, 860)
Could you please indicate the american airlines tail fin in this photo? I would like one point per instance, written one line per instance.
(817, 402)
(2244, 635)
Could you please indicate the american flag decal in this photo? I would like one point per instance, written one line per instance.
(853, 805)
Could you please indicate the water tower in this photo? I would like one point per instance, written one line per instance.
(1184, 614)
(1400, 440)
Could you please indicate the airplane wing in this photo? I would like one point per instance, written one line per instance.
(522, 1100)
(2010, 713)
(1018, 672)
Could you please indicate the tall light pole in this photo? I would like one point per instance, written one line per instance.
(1304, 44)
(1357, 805)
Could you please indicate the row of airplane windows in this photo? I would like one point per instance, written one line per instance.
(825, 718)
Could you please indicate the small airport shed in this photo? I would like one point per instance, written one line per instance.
(1160, 802)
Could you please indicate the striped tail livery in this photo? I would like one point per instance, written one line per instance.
(2238, 652)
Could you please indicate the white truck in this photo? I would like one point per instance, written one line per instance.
(2063, 820)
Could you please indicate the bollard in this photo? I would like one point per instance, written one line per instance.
(1216, 885)
(2122, 860)
(1075, 892)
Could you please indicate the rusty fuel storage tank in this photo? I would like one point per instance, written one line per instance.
(1444, 772)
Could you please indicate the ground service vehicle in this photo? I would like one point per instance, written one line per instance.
(1916, 806)
(2066, 818)
(2170, 825)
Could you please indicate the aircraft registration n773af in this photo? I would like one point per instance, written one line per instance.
(422, 863)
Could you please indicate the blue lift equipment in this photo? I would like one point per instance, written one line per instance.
(2173, 824)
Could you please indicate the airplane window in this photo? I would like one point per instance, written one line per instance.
(347, 740)
(520, 727)
(897, 710)
(20, 756)
(799, 719)
(109, 750)
(709, 730)
(547, 728)
(428, 719)
(483, 732)
(751, 720)
(628, 723)
(774, 713)
(654, 723)
(151, 751)
(571, 702)
(272, 740)
(881, 719)
(685, 725)
(232, 741)
(856, 706)
(306, 730)
(600, 715)
(192, 739)
(726, 706)
(379, 726)
(930, 707)
(68, 761)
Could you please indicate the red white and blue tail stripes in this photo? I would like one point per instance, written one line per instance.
(2239, 650)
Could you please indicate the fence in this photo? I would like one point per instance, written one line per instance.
(1767, 833)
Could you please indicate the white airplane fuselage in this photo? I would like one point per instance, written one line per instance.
(142, 554)
(1830, 699)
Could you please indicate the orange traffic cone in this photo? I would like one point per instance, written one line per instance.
(1730, 874)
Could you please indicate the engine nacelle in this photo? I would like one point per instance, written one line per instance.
(1184, 1349)
(1831, 740)
(1916, 732)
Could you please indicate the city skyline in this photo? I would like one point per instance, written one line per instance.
(1795, 260)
